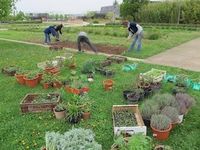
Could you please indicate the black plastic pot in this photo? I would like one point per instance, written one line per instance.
(74, 120)
(147, 122)
(125, 93)
(133, 98)
(148, 92)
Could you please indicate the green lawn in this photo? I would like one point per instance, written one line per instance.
(21, 132)
(168, 37)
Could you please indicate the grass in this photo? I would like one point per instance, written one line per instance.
(27, 131)
(168, 37)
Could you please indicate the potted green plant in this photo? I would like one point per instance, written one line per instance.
(60, 111)
(185, 102)
(10, 70)
(19, 75)
(47, 80)
(86, 106)
(135, 96)
(56, 82)
(40, 74)
(139, 142)
(88, 67)
(149, 108)
(74, 112)
(119, 143)
(49, 66)
(31, 79)
(70, 62)
(161, 126)
(165, 99)
(181, 80)
(172, 113)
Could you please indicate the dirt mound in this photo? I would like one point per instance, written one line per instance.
(108, 49)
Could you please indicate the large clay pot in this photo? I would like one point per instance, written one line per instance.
(86, 115)
(108, 84)
(59, 114)
(46, 85)
(20, 79)
(161, 135)
(31, 82)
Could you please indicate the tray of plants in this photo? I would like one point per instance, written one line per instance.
(154, 75)
(39, 102)
(127, 119)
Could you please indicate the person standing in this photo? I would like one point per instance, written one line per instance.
(47, 32)
(137, 31)
(83, 38)
(58, 30)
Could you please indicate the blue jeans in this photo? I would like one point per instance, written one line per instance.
(47, 38)
(138, 40)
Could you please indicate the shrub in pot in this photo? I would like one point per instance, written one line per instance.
(74, 139)
(165, 100)
(70, 62)
(161, 126)
(49, 66)
(56, 82)
(88, 67)
(181, 80)
(40, 74)
(60, 111)
(10, 70)
(139, 142)
(148, 108)
(177, 89)
(185, 102)
(135, 95)
(47, 80)
(74, 112)
(31, 79)
(20, 76)
(172, 113)
(86, 106)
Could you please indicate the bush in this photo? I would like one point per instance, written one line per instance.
(171, 112)
(160, 122)
(71, 140)
(154, 36)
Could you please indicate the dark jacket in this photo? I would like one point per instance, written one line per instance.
(132, 27)
(58, 28)
(50, 30)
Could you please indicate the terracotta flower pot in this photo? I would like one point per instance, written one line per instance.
(48, 69)
(85, 90)
(39, 77)
(59, 114)
(46, 85)
(72, 90)
(86, 115)
(174, 124)
(161, 134)
(20, 79)
(72, 66)
(31, 82)
(57, 85)
(108, 84)
(54, 71)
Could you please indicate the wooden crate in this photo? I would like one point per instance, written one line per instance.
(140, 128)
(26, 104)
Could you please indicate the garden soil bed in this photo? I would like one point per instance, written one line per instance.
(108, 49)
(28, 105)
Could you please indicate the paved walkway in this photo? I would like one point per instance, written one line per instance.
(186, 56)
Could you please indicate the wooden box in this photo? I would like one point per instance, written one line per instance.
(139, 128)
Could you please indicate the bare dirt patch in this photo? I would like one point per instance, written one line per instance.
(108, 49)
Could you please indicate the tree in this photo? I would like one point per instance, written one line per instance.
(90, 14)
(130, 8)
(6, 7)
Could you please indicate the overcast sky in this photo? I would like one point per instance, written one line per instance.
(62, 6)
